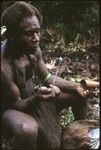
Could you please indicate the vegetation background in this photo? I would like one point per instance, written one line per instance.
(71, 30)
(71, 17)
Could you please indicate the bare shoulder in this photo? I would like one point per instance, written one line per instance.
(5, 67)
(6, 72)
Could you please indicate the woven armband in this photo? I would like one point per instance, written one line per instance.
(47, 77)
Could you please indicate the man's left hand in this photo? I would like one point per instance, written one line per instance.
(56, 91)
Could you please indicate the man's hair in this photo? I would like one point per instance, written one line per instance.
(13, 15)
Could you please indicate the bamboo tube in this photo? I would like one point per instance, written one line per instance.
(89, 84)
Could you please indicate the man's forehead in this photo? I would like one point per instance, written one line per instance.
(30, 22)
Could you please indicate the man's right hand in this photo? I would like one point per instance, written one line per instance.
(44, 93)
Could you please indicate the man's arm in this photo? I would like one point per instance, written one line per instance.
(63, 84)
(12, 92)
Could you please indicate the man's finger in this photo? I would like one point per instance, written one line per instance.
(45, 90)
(47, 97)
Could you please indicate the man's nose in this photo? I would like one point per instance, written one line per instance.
(36, 37)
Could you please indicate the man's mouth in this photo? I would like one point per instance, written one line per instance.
(36, 45)
(33, 48)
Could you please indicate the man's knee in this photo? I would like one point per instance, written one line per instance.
(20, 124)
(7, 119)
(5, 115)
(30, 129)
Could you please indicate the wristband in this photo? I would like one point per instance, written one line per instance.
(47, 77)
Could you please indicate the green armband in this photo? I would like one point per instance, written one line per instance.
(47, 78)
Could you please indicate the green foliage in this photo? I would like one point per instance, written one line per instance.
(67, 118)
(70, 17)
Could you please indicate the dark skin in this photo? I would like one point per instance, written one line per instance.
(65, 93)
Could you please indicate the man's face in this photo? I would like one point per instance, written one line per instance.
(30, 33)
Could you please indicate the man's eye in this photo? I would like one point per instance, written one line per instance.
(38, 31)
(28, 33)
(31, 33)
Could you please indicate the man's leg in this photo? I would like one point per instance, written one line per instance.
(77, 102)
(23, 129)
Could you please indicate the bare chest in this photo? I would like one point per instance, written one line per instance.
(23, 66)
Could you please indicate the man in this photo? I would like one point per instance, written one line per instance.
(31, 115)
